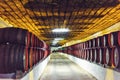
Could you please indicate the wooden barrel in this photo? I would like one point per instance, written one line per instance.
(35, 42)
(95, 54)
(88, 54)
(102, 55)
(13, 58)
(2, 55)
(43, 44)
(28, 40)
(108, 57)
(46, 53)
(79, 53)
(14, 35)
(86, 44)
(23, 58)
(90, 43)
(100, 41)
(75, 53)
(31, 60)
(115, 55)
(1, 36)
(94, 42)
(92, 55)
(105, 41)
(113, 39)
(34, 56)
(98, 55)
(85, 52)
(32, 40)
(20, 36)
(37, 56)
(69, 50)
(41, 54)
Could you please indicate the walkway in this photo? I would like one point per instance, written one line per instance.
(61, 68)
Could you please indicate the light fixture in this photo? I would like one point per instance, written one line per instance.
(54, 42)
(58, 39)
(59, 30)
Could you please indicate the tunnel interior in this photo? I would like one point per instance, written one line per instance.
(33, 30)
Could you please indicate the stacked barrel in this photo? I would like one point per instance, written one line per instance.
(103, 50)
(20, 50)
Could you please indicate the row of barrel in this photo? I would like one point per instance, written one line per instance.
(20, 50)
(20, 36)
(107, 40)
(107, 53)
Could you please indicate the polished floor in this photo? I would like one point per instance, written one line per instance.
(61, 68)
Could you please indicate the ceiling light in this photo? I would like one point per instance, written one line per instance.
(55, 42)
(58, 39)
(59, 30)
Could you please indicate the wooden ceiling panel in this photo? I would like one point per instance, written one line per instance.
(82, 17)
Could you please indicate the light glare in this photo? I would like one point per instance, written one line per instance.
(61, 30)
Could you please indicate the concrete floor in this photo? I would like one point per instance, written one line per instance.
(61, 68)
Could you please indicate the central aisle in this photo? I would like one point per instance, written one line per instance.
(61, 68)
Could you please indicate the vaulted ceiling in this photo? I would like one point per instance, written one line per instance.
(82, 17)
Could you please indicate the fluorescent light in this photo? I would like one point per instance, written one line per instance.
(58, 38)
(61, 30)
(55, 42)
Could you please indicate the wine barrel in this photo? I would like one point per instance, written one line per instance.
(88, 54)
(28, 40)
(92, 55)
(95, 55)
(23, 58)
(20, 36)
(100, 41)
(34, 56)
(86, 44)
(98, 55)
(83, 53)
(115, 55)
(94, 42)
(13, 35)
(90, 43)
(103, 52)
(1, 36)
(2, 55)
(46, 53)
(41, 54)
(35, 42)
(113, 39)
(32, 40)
(79, 53)
(85, 57)
(13, 58)
(75, 53)
(43, 44)
(37, 55)
(31, 60)
(105, 41)
(108, 57)
(69, 50)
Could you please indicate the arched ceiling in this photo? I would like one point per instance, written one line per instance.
(82, 17)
